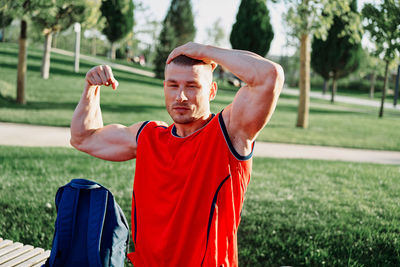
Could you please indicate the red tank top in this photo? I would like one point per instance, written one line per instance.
(187, 196)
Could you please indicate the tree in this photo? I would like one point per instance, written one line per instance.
(146, 31)
(166, 42)
(216, 33)
(319, 56)
(315, 17)
(54, 17)
(338, 55)
(119, 20)
(371, 68)
(252, 30)
(93, 22)
(178, 29)
(382, 23)
(21, 10)
(5, 20)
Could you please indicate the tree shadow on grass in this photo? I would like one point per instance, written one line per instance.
(315, 110)
(9, 53)
(53, 59)
(330, 111)
(36, 68)
(136, 78)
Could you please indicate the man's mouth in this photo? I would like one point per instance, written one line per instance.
(180, 108)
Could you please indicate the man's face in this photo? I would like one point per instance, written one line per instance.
(188, 91)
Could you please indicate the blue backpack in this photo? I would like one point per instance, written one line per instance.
(90, 229)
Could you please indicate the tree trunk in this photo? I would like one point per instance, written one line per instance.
(384, 89)
(54, 45)
(372, 88)
(46, 55)
(113, 49)
(326, 86)
(396, 88)
(3, 34)
(93, 47)
(304, 97)
(77, 50)
(334, 84)
(22, 55)
(129, 51)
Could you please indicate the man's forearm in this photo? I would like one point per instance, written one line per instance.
(247, 66)
(87, 115)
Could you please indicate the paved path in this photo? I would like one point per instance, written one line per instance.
(344, 99)
(32, 135)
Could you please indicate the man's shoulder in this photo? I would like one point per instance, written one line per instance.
(154, 125)
(149, 126)
(162, 124)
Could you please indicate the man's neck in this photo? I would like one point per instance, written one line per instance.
(186, 129)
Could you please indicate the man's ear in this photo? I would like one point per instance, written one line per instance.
(213, 91)
(213, 65)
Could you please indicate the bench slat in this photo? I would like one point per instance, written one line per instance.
(39, 264)
(7, 249)
(16, 254)
(23, 257)
(13, 254)
(38, 259)
(4, 243)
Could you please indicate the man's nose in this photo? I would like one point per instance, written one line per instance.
(181, 95)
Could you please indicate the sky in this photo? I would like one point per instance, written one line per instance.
(206, 12)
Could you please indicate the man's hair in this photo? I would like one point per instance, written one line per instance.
(187, 61)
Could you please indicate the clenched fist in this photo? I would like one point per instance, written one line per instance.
(101, 75)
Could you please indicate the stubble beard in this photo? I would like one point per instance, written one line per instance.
(181, 117)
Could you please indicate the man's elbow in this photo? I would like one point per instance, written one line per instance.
(79, 140)
(76, 143)
(274, 79)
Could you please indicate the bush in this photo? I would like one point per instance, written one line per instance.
(120, 53)
(360, 85)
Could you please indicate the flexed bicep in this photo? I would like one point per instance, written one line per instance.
(113, 142)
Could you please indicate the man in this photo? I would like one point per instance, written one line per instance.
(190, 177)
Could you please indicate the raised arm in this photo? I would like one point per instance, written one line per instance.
(255, 102)
(113, 142)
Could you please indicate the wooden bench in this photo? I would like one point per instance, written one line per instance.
(17, 254)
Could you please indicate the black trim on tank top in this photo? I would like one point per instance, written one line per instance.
(213, 204)
(140, 129)
(174, 133)
(228, 141)
(134, 216)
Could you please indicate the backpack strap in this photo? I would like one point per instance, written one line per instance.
(66, 221)
(97, 212)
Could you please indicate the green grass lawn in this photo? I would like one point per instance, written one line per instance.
(297, 212)
(52, 101)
